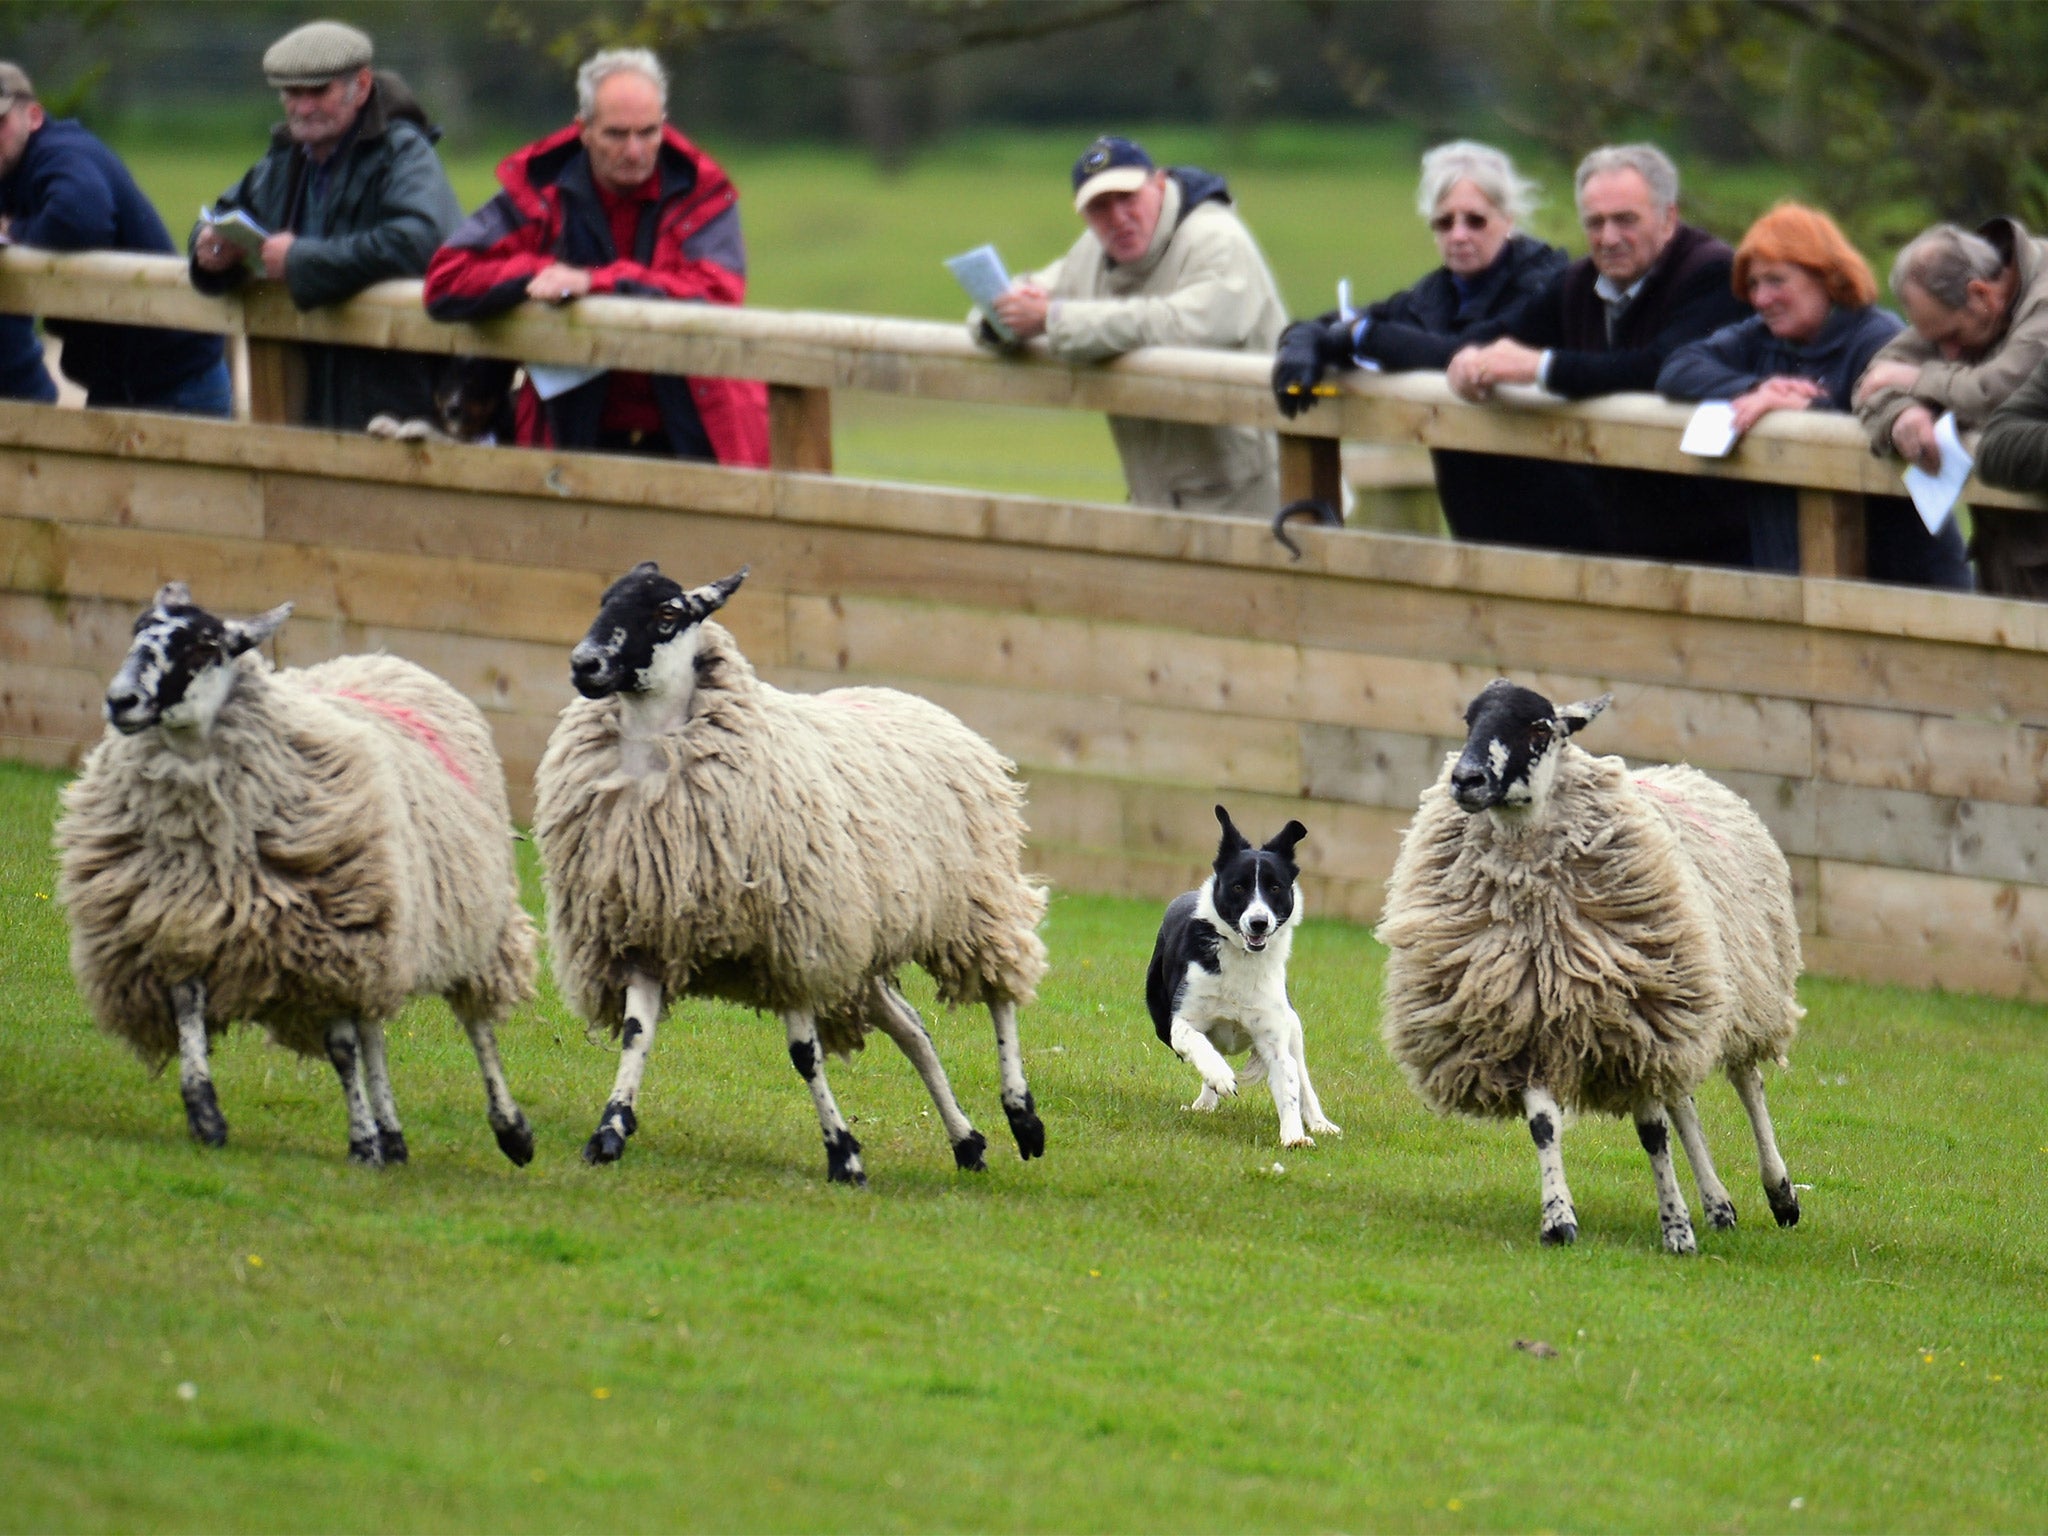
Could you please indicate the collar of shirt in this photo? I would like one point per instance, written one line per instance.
(1609, 294)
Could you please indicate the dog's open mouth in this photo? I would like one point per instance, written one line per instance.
(1254, 941)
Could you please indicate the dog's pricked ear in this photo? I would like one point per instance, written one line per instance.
(1234, 841)
(172, 594)
(709, 598)
(1283, 843)
(1576, 717)
(247, 634)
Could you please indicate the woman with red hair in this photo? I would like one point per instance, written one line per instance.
(1816, 328)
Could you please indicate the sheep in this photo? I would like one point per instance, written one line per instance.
(303, 849)
(1564, 931)
(705, 834)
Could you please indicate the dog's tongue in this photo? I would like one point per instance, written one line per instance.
(1252, 943)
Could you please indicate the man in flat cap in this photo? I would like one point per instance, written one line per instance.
(1164, 261)
(350, 194)
(61, 189)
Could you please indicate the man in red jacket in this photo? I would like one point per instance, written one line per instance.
(620, 203)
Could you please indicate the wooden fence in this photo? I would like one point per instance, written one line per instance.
(1139, 665)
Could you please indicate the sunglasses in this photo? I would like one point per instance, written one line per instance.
(1443, 223)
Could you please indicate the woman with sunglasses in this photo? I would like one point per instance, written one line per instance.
(1815, 330)
(1473, 201)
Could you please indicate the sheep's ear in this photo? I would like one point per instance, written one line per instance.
(645, 568)
(1576, 717)
(1234, 841)
(1284, 843)
(247, 634)
(709, 598)
(173, 594)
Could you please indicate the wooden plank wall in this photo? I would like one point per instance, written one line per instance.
(1138, 665)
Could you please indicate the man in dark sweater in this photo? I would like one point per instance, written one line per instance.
(1649, 284)
(61, 189)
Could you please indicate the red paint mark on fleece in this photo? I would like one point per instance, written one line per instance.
(415, 725)
(1684, 806)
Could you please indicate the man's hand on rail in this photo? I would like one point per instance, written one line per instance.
(1024, 309)
(213, 253)
(1782, 393)
(1476, 372)
(558, 284)
(275, 249)
(1913, 436)
(1903, 377)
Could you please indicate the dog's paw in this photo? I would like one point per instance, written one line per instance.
(1222, 1083)
(1298, 1139)
(1325, 1128)
(1205, 1102)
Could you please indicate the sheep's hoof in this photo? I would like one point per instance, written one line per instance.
(1563, 1235)
(202, 1113)
(842, 1160)
(967, 1153)
(1784, 1203)
(1026, 1127)
(607, 1146)
(516, 1141)
(365, 1152)
(1721, 1215)
(391, 1146)
(1678, 1238)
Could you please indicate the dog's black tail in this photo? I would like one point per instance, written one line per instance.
(1326, 516)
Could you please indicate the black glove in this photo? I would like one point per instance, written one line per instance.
(1308, 349)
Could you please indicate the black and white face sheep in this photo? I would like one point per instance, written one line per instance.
(1567, 933)
(706, 834)
(301, 849)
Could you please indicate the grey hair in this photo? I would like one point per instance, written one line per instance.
(1646, 160)
(1492, 172)
(600, 67)
(1943, 261)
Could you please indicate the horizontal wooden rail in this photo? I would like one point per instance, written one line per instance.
(1819, 453)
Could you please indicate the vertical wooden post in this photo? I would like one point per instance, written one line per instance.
(800, 428)
(1312, 467)
(1831, 534)
(277, 381)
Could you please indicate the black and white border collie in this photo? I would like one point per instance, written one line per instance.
(1218, 980)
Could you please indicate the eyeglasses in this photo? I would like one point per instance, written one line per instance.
(1443, 223)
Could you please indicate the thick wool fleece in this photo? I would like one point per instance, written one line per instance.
(785, 849)
(1632, 937)
(342, 843)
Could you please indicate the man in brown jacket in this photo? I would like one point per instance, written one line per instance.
(1979, 311)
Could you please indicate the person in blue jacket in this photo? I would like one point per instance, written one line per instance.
(1815, 330)
(61, 189)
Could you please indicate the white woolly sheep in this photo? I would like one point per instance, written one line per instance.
(706, 834)
(301, 849)
(1564, 931)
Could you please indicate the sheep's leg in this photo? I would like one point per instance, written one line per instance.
(1017, 1105)
(1319, 1124)
(508, 1123)
(1749, 1087)
(1654, 1132)
(842, 1152)
(1685, 1116)
(390, 1134)
(1284, 1082)
(195, 1072)
(1193, 1047)
(345, 1050)
(636, 1040)
(899, 1021)
(1546, 1125)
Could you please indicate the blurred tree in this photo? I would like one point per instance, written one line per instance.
(1895, 112)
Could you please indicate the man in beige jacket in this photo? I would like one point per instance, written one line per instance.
(1978, 307)
(1164, 262)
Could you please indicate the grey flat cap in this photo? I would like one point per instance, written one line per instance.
(316, 53)
(14, 86)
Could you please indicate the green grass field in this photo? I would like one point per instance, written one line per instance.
(1154, 1328)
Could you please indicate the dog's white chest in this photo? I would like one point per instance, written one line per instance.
(1244, 992)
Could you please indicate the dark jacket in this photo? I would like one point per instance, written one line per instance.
(1424, 326)
(687, 246)
(2013, 451)
(388, 206)
(1686, 294)
(69, 192)
(22, 374)
(1738, 357)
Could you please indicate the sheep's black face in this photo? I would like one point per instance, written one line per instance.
(632, 643)
(1513, 736)
(173, 674)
